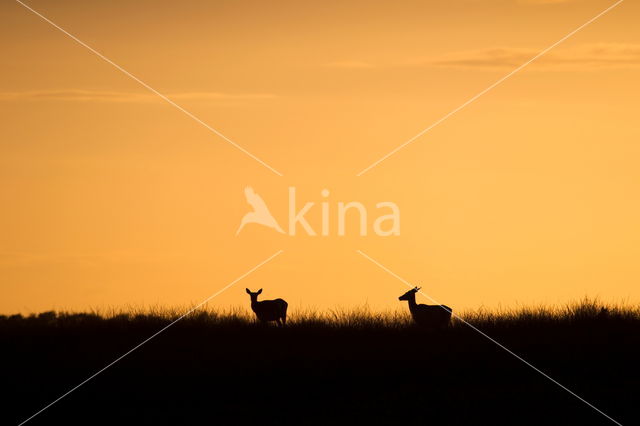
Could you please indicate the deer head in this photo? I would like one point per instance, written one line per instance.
(253, 295)
(411, 294)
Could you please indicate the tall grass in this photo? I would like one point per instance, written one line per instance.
(586, 310)
(358, 365)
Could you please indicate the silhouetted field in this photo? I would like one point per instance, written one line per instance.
(338, 368)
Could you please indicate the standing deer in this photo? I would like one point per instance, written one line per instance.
(430, 316)
(268, 310)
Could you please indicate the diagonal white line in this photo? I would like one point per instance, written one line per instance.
(151, 89)
(384, 268)
(154, 335)
(488, 89)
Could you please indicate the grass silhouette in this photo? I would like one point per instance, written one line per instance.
(340, 366)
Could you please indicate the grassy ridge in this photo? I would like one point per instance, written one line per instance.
(360, 317)
(337, 367)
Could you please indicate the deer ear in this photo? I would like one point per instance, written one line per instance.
(248, 292)
(259, 291)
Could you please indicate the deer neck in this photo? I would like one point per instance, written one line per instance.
(254, 303)
(412, 303)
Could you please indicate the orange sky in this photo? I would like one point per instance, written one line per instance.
(112, 198)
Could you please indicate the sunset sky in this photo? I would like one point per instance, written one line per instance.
(113, 198)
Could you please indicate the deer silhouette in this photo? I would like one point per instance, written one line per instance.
(428, 316)
(268, 310)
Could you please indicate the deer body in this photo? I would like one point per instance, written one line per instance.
(431, 316)
(268, 310)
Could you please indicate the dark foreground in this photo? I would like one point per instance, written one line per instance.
(360, 371)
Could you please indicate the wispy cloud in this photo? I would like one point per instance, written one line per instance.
(545, 1)
(23, 259)
(349, 64)
(585, 57)
(78, 95)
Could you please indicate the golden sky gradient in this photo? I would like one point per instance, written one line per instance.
(112, 198)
